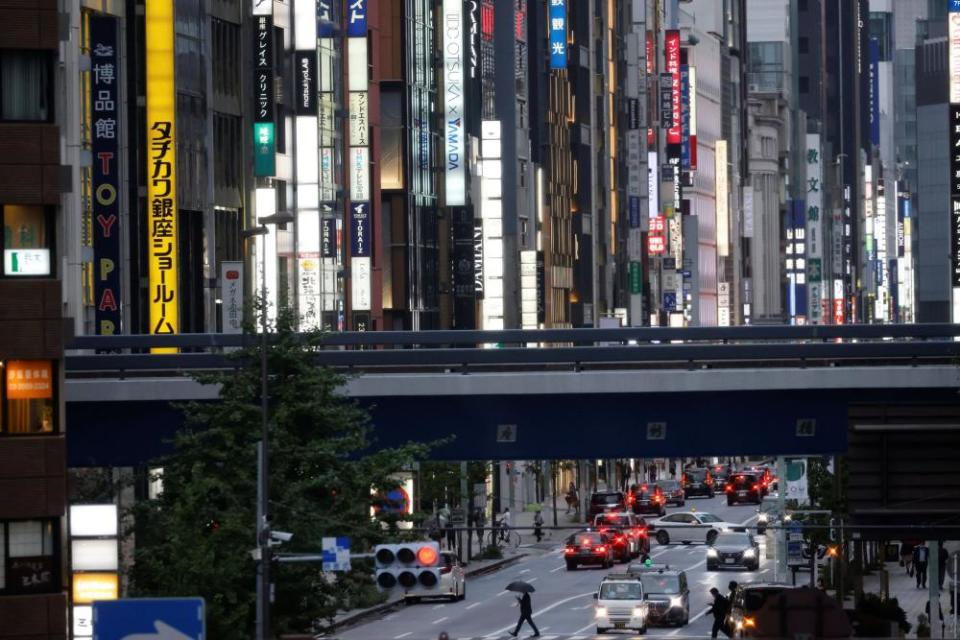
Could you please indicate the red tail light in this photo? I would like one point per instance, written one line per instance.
(631, 499)
(445, 570)
(753, 488)
(642, 533)
(728, 488)
(619, 539)
(570, 550)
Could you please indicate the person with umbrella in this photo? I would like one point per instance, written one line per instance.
(526, 607)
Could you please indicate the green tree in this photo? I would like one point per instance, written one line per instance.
(196, 537)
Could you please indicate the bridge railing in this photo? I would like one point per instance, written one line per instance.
(464, 351)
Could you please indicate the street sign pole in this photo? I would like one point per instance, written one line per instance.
(782, 508)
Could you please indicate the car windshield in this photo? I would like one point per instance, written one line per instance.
(733, 539)
(606, 498)
(613, 521)
(709, 517)
(696, 474)
(585, 539)
(753, 599)
(621, 591)
(743, 481)
(656, 583)
(669, 485)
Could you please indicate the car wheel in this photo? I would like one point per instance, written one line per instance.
(601, 630)
(413, 600)
(711, 536)
(663, 537)
(463, 592)
(755, 567)
(711, 567)
(642, 630)
(571, 566)
(730, 502)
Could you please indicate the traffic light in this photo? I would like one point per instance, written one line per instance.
(408, 565)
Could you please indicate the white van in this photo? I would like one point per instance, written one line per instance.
(620, 603)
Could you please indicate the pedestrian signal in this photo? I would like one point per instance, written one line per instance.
(411, 565)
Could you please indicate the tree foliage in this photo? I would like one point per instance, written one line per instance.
(195, 539)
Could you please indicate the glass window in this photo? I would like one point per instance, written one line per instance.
(25, 91)
(27, 241)
(27, 557)
(28, 399)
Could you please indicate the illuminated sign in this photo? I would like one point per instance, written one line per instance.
(653, 186)
(453, 100)
(955, 192)
(264, 149)
(360, 229)
(651, 62)
(359, 174)
(953, 38)
(558, 34)
(360, 279)
(161, 171)
(104, 147)
(263, 69)
(327, 185)
(94, 555)
(325, 26)
(491, 213)
(29, 379)
(357, 18)
(814, 228)
(93, 520)
(30, 262)
(359, 124)
(723, 199)
(88, 587)
(656, 240)
(672, 43)
(262, 7)
(685, 117)
(693, 117)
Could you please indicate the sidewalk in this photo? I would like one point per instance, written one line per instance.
(912, 600)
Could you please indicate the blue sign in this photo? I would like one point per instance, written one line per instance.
(634, 208)
(181, 618)
(685, 117)
(325, 18)
(336, 553)
(670, 301)
(953, 6)
(874, 91)
(357, 18)
(360, 229)
(558, 34)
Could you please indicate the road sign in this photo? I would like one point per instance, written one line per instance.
(336, 553)
(149, 619)
(795, 545)
(656, 431)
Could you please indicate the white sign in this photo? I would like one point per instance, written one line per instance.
(83, 614)
(653, 185)
(454, 155)
(231, 296)
(308, 291)
(262, 7)
(359, 174)
(93, 520)
(748, 212)
(357, 66)
(26, 262)
(328, 189)
(723, 199)
(359, 124)
(94, 555)
(360, 284)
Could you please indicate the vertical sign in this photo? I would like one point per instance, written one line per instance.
(231, 293)
(672, 43)
(161, 170)
(264, 127)
(723, 199)
(558, 34)
(814, 229)
(953, 39)
(875, 91)
(361, 213)
(955, 194)
(453, 123)
(693, 117)
(104, 146)
(357, 19)
(685, 117)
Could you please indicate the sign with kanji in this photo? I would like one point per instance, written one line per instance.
(558, 34)
(29, 379)
(231, 292)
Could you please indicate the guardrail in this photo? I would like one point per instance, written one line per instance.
(822, 345)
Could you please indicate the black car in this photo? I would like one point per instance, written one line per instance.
(697, 482)
(621, 544)
(603, 501)
(588, 547)
(732, 549)
(673, 492)
(668, 596)
(649, 499)
(743, 487)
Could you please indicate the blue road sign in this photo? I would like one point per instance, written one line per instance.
(149, 618)
(336, 553)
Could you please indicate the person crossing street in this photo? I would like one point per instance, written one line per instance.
(526, 615)
(718, 610)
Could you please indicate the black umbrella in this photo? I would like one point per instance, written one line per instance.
(520, 587)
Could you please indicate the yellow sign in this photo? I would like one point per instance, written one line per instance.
(88, 587)
(161, 170)
(29, 379)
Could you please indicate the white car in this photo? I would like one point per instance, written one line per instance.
(690, 526)
(453, 582)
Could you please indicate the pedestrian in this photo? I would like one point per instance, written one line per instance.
(718, 610)
(571, 496)
(504, 524)
(921, 554)
(906, 556)
(941, 564)
(526, 614)
(733, 591)
(538, 525)
(478, 521)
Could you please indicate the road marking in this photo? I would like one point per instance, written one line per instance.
(692, 620)
(563, 566)
(437, 606)
(586, 606)
(439, 620)
(543, 610)
(475, 604)
(533, 579)
(403, 635)
(501, 593)
(524, 570)
(591, 625)
(693, 551)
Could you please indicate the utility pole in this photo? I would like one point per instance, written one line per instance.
(781, 571)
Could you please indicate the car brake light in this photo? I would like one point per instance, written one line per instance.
(570, 550)
(753, 488)
(642, 533)
(728, 488)
(619, 539)
(445, 570)
(749, 622)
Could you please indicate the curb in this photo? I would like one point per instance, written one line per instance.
(389, 605)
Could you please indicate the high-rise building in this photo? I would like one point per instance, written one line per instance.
(33, 602)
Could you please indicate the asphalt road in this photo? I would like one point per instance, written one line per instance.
(563, 602)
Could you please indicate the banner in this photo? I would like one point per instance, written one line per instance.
(672, 40)
(558, 34)
(231, 292)
(104, 147)
(454, 131)
(161, 171)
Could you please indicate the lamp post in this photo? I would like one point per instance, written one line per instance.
(263, 484)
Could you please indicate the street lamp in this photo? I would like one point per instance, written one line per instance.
(263, 484)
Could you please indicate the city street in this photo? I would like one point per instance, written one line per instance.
(563, 602)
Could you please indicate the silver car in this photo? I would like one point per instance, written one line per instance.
(733, 549)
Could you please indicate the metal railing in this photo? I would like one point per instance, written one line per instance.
(463, 351)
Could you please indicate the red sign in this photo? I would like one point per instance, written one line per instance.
(486, 21)
(838, 311)
(650, 53)
(672, 40)
(233, 274)
(656, 244)
(658, 225)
